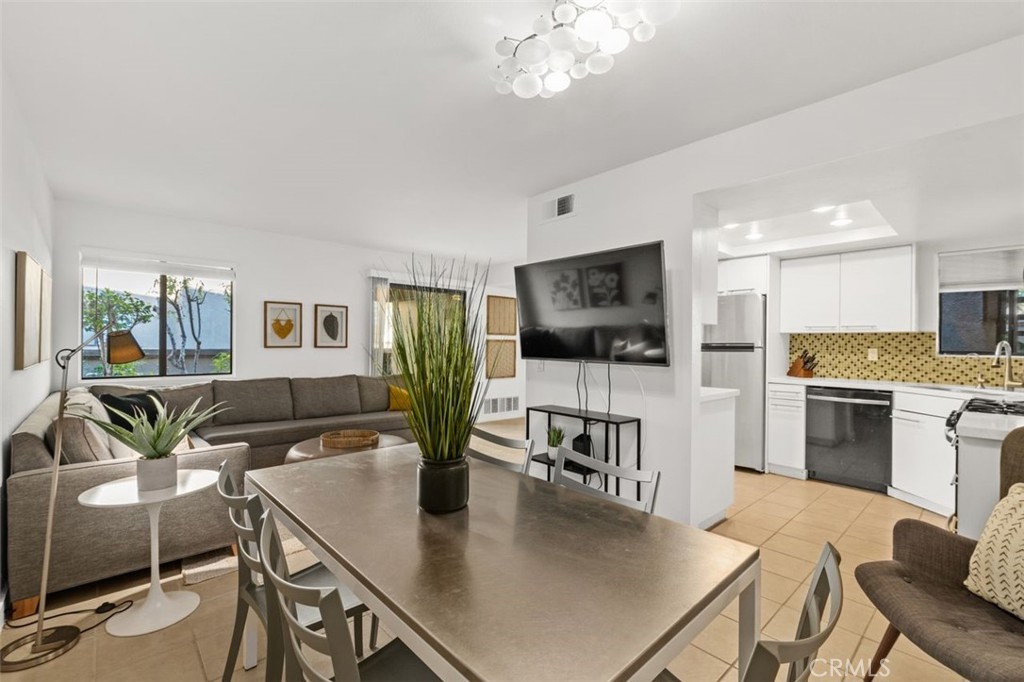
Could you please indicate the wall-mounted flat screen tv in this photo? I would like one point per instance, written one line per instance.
(596, 307)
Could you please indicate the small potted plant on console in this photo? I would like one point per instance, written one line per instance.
(556, 436)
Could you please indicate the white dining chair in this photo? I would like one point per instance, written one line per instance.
(523, 445)
(391, 663)
(638, 476)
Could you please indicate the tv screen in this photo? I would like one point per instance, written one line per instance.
(597, 307)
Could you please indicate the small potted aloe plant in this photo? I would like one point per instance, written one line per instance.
(439, 352)
(556, 435)
(158, 466)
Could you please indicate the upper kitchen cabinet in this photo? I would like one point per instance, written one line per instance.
(809, 296)
(743, 274)
(861, 291)
(876, 290)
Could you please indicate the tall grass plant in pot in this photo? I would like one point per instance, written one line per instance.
(157, 466)
(438, 346)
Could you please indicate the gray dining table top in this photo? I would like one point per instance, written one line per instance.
(531, 581)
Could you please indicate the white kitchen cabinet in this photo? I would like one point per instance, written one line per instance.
(923, 462)
(877, 290)
(786, 430)
(743, 274)
(810, 295)
(861, 291)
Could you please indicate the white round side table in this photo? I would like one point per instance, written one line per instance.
(159, 609)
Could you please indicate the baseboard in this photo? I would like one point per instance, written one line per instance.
(712, 521)
(919, 502)
(791, 472)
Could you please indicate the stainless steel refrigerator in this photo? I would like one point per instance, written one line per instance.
(733, 357)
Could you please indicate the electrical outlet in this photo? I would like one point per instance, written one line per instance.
(872, 355)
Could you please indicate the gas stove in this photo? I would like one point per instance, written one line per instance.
(987, 406)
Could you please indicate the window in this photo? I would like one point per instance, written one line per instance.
(180, 315)
(981, 301)
(389, 298)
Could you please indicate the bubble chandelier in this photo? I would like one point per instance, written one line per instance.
(575, 39)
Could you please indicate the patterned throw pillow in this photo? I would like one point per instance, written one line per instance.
(997, 565)
(398, 399)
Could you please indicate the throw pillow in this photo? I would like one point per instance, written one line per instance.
(130, 404)
(79, 443)
(398, 399)
(995, 570)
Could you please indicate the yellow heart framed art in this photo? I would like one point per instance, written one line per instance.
(282, 324)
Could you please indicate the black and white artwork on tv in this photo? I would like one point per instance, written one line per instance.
(598, 307)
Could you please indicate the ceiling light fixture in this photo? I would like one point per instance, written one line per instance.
(755, 232)
(578, 38)
(823, 209)
(730, 226)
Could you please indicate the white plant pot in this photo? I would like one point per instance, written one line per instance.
(553, 452)
(156, 474)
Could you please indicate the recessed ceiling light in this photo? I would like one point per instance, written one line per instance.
(841, 222)
(730, 226)
(755, 232)
(823, 209)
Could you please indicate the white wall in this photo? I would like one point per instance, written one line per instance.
(653, 199)
(25, 226)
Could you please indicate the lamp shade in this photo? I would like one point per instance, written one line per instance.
(122, 348)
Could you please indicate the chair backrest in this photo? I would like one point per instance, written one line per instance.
(646, 501)
(514, 443)
(240, 513)
(1011, 461)
(800, 654)
(334, 641)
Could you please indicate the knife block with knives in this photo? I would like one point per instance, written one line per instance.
(803, 366)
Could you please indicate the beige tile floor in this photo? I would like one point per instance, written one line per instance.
(788, 519)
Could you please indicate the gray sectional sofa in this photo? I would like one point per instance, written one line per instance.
(266, 418)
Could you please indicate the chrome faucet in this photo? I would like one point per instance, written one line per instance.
(1006, 351)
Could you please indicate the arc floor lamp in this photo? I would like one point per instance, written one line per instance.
(47, 643)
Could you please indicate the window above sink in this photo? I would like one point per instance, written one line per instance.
(981, 301)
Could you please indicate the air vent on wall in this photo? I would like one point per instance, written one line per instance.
(562, 207)
(495, 405)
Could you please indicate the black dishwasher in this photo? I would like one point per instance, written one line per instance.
(849, 437)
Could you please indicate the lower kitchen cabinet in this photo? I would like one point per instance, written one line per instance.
(923, 462)
(786, 430)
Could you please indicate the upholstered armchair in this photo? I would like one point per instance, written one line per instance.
(921, 592)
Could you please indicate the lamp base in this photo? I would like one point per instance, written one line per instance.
(21, 655)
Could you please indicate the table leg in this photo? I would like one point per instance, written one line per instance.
(159, 609)
(750, 620)
(249, 644)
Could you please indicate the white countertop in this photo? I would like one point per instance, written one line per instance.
(707, 393)
(949, 391)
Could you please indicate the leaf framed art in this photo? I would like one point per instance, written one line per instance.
(331, 329)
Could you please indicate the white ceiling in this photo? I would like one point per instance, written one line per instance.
(375, 123)
(967, 185)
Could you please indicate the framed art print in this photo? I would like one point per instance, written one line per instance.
(501, 359)
(282, 324)
(501, 316)
(331, 329)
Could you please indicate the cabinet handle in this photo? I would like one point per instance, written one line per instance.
(788, 407)
(860, 326)
(906, 419)
(820, 326)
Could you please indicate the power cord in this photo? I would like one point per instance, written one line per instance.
(105, 607)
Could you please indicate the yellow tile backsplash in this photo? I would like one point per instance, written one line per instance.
(908, 357)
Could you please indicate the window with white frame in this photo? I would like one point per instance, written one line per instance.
(981, 300)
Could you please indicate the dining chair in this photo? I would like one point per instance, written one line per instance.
(645, 504)
(800, 654)
(513, 443)
(394, 661)
(253, 595)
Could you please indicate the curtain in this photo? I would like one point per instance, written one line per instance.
(379, 288)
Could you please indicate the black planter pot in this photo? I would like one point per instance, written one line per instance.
(442, 487)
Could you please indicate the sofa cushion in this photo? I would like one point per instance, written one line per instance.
(28, 451)
(132, 405)
(38, 421)
(373, 394)
(79, 443)
(179, 398)
(253, 400)
(325, 397)
(294, 430)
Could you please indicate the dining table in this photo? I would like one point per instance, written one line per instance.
(530, 581)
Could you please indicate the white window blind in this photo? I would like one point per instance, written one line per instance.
(986, 270)
(108, 260)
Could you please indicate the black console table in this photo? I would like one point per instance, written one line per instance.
(589, 417)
